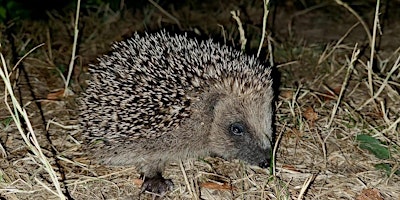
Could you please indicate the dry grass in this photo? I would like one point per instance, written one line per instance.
(329, 94)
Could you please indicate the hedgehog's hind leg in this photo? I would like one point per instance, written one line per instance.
(157, 184)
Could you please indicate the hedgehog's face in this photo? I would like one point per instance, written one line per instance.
(242, 129)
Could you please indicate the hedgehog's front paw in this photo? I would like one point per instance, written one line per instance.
(157, 184)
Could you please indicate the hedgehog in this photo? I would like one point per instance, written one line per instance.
(160, 97)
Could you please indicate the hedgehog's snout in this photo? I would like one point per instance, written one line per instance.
(264, 164)
(264, 159)
(256, 156)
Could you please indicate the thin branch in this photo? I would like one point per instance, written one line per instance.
(73, 55)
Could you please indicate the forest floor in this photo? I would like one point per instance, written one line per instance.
(337, 110)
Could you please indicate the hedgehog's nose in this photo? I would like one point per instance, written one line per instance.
(264, 164)
(264, 160)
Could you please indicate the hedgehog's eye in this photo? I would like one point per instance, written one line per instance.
(237, 128)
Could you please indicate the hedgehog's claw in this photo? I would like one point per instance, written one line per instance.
(157, 184)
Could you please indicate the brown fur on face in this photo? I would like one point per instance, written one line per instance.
(255, 115)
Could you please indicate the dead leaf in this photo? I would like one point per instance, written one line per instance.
(217, 186)
(287, 95)
(331, 95)
(310, 114)
(290, 168)
(57, 95)
(137, 182)
(369, 194)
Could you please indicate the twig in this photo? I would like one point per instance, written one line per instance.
(264, 27)
(186, 180)
(322, 58)
(24, 56)
(166, 13)
(354, 57)
(366, 28)
(243, 40)
(305, 186)
(70, 127)
(276, 149)
(71, 63)
(371, 61)
(384, 84)
(270, 51)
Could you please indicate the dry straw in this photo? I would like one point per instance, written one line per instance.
(28, 134)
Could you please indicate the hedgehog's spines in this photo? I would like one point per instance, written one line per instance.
(142, 87)
(164, 97)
